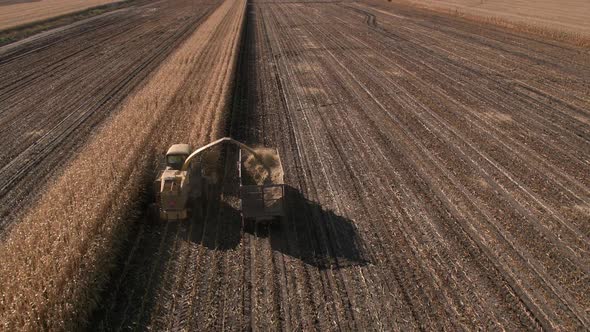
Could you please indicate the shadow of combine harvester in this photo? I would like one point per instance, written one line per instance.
(316, 236)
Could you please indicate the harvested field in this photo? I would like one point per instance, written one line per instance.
(56, 87)
(15, 13)
(566, 15)
(438, 180)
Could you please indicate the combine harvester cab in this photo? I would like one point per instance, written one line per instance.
(174, 185)
(262, 202)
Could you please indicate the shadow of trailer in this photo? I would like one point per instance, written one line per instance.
(261, 202)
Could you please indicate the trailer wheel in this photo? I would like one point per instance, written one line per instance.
(249, 225)
(153, 214)
(275, 223)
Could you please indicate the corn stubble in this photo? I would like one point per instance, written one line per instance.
(55, 261)
(521, 25)
(572, 38)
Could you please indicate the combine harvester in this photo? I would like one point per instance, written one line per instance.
(182, 184)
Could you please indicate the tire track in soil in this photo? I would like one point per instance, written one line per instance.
(337, 281)
(491, 278)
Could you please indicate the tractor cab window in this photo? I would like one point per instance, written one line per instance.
(175, 161)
